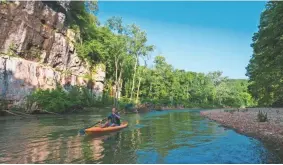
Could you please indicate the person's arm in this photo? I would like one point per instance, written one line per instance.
(117, 116)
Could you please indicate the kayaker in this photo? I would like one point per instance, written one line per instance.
(113, 119)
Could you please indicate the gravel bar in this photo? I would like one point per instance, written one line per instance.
(244, 121)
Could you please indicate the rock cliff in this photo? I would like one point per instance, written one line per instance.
(37, 51)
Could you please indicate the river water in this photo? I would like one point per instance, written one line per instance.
(175, 136)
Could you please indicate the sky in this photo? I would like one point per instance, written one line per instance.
(194, 36)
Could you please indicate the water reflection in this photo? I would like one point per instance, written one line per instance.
(97, 149)
(74, 149)
(175, 137)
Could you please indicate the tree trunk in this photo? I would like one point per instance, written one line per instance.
(187, 92)
(150, 93)
(120, 91)
(116, 83)
(138, 90)
(114, 94)
(133, 85)
(119, 82)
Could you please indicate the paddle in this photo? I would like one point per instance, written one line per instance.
(82, 131)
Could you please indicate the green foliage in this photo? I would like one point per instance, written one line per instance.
(3, 104)
(262, 117)
(123, 102)
(4, 2)
(105, 100)
(12, 50)
(66, 72)
(96, 49)
(33, 54)
(94, 39)
(59, 100)
(265, 66)
(172, 87)
(51, 100)
(80, 16)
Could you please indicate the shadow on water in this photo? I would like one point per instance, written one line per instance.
(155, 137)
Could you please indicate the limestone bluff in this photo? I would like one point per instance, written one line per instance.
(44, 49)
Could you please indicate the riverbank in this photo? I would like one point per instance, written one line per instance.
(182, 108)
(22, 112)
(245, 121)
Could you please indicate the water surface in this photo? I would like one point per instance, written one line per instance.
(176, 136)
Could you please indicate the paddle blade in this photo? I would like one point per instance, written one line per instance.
(82, 132)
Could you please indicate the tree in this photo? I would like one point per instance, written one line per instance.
(138, 48)
(265, 67)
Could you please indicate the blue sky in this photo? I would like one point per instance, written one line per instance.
(195, 36)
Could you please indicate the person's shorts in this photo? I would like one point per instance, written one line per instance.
(113, 123)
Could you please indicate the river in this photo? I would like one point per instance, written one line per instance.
(175, 136)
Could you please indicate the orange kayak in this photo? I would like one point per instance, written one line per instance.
(107, 129)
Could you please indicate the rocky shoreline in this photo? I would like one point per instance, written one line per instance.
(245, 121)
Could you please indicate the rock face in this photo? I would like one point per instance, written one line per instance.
(44, 47)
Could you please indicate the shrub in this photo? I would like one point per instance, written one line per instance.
(123, 102)
(50, 100)
(3, 104)
(106, 100)
(262, 117)
(60, 100)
